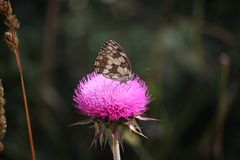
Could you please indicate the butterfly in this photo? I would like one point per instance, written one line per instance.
(113, 62)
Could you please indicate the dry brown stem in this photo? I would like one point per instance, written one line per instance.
(3, 122)
(12, 41)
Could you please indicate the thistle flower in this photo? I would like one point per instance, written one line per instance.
(97, 96)
(112, 106)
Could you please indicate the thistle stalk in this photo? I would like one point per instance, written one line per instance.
(115, 149)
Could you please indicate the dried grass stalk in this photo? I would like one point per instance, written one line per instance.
(3, 122)
(12, 41)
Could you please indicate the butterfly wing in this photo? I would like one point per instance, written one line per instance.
(112, 62)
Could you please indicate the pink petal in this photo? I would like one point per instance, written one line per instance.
(97, 96)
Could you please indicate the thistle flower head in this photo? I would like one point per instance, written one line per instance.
(112, 106)
(97, 96)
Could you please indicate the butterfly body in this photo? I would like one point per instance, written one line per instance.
(113, 62)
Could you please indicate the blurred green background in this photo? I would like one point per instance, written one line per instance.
(188, 52)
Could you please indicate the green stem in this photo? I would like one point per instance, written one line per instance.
(115, 149)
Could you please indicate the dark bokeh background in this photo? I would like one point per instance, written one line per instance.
(187, 51)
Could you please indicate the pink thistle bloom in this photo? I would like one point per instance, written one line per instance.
(97, 96)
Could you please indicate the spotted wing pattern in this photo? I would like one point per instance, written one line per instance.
(113, 62)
